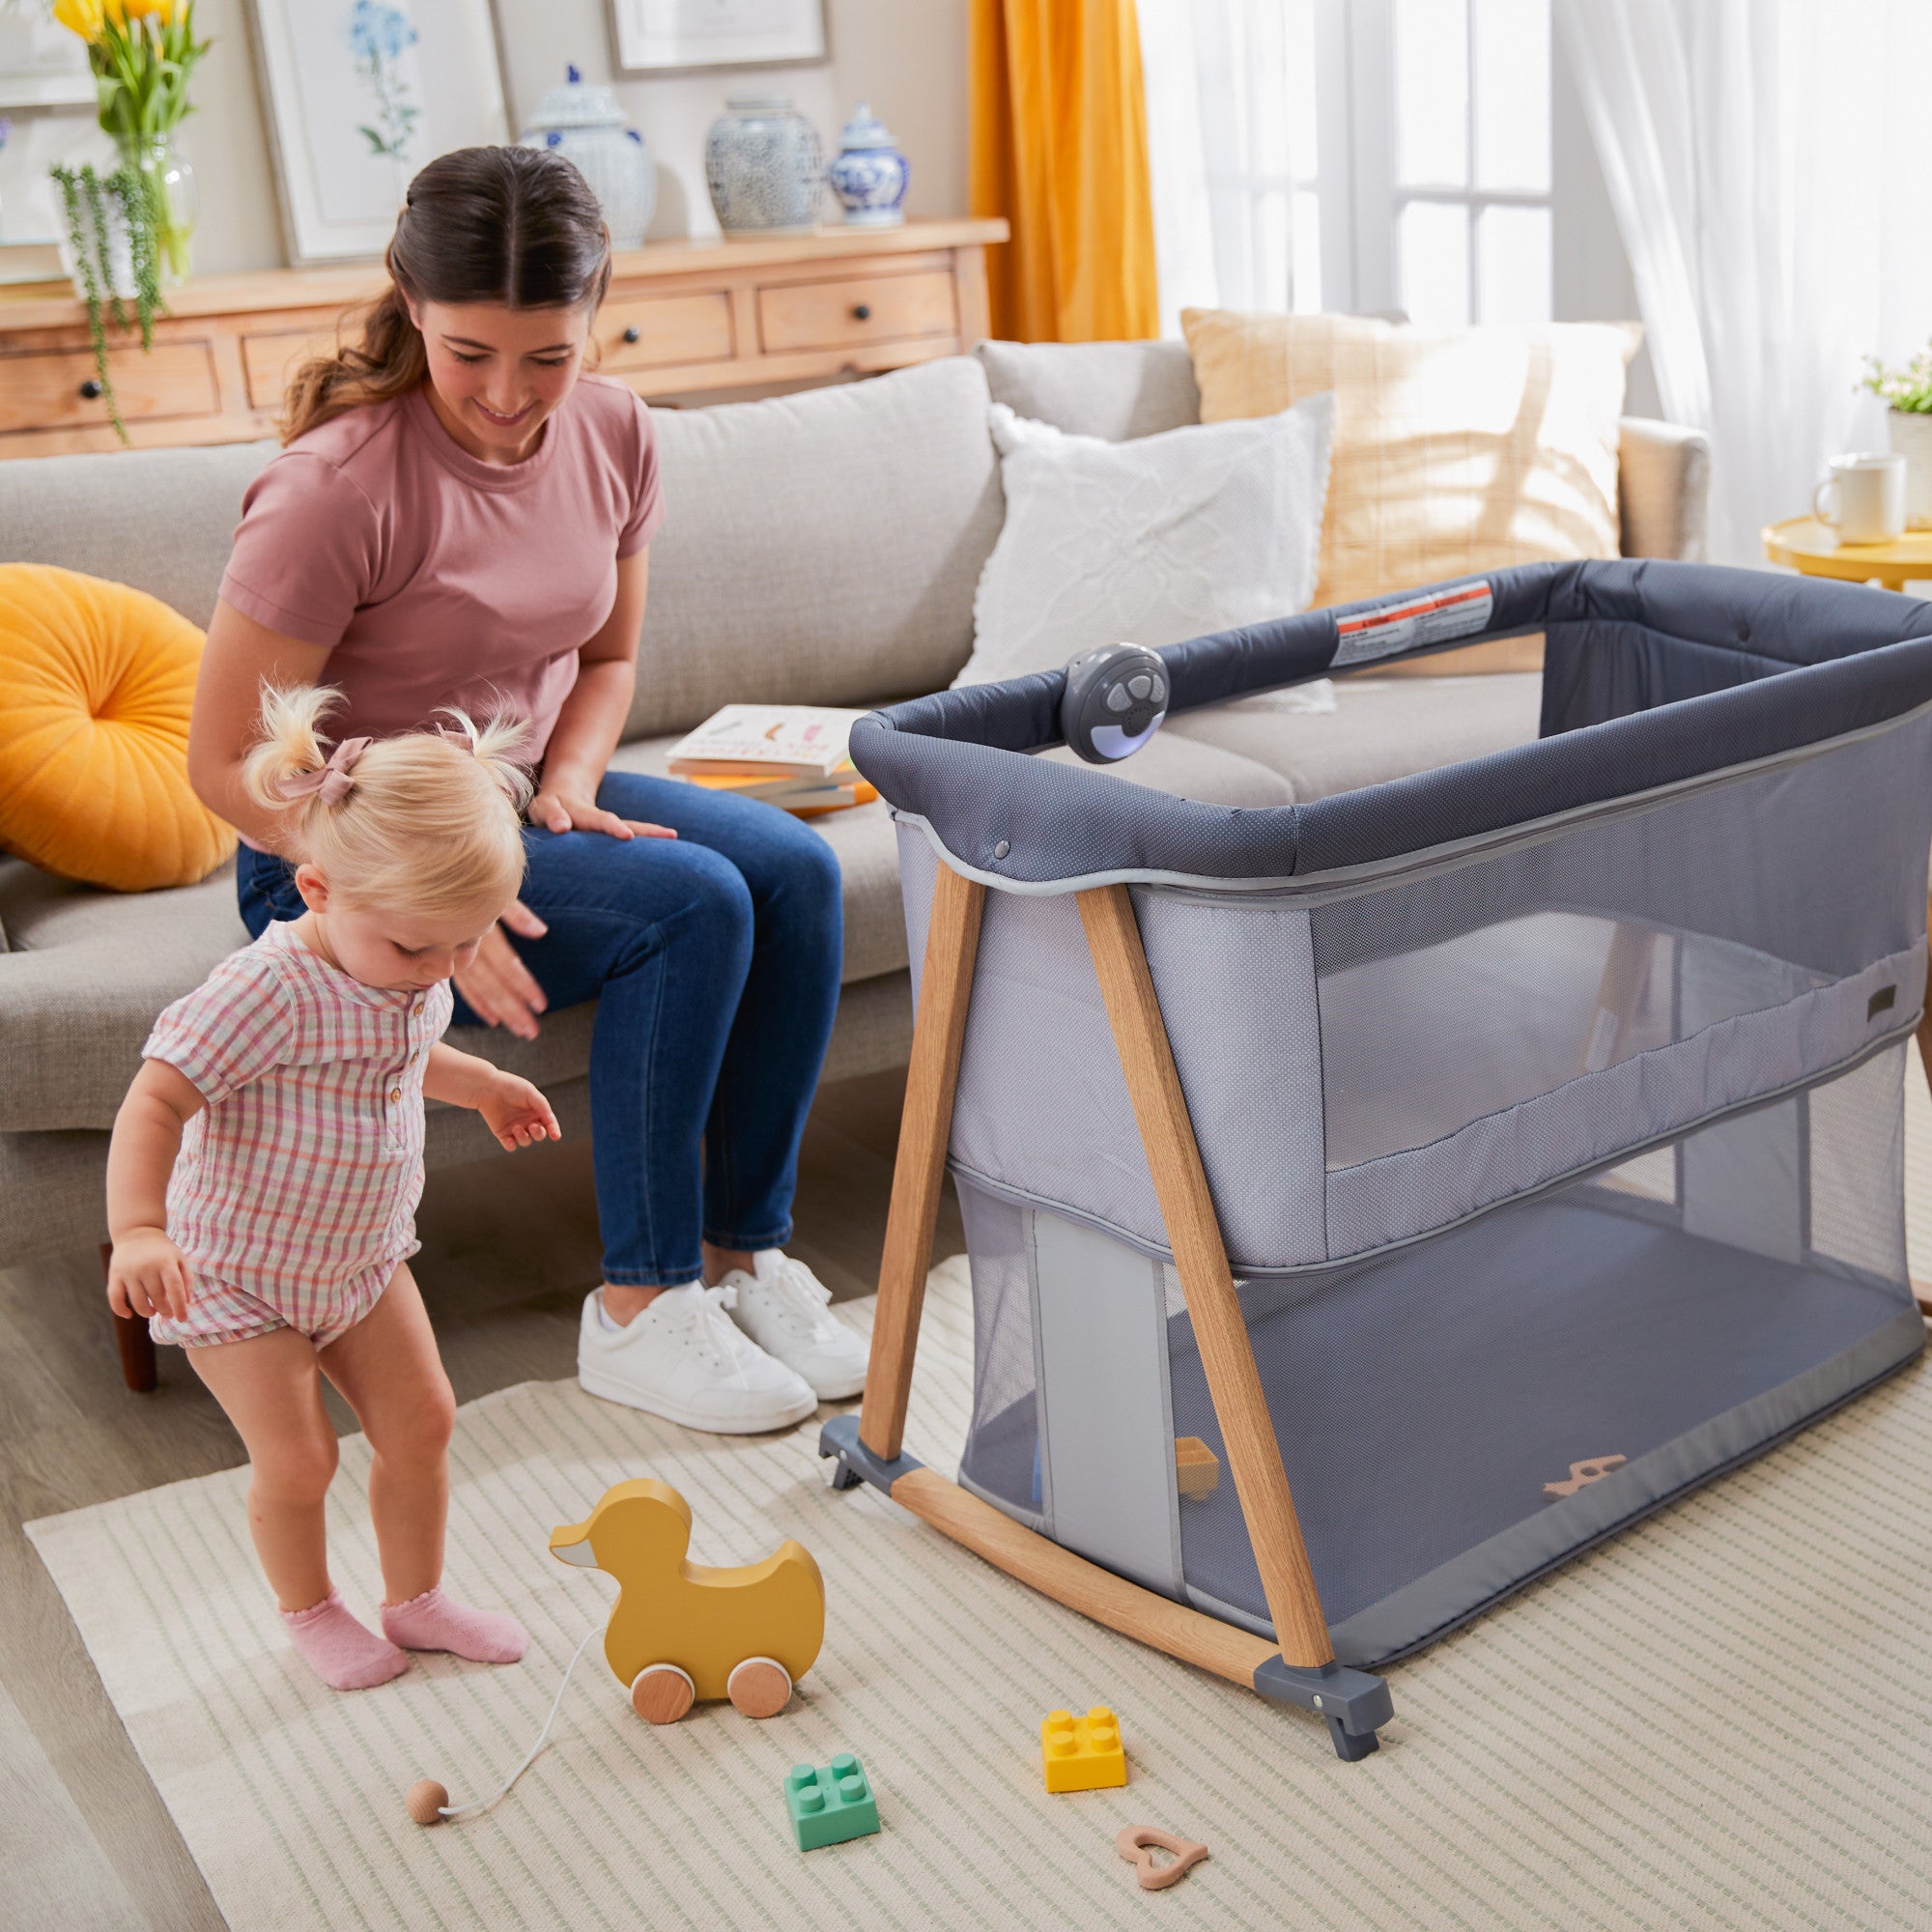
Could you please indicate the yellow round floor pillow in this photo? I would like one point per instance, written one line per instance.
(96, 685)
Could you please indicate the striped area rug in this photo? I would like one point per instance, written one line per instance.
(1723, 1719)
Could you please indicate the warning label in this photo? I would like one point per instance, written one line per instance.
(1411, 619)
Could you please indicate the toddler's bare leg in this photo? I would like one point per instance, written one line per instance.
(268, 1387)
(390, 1375)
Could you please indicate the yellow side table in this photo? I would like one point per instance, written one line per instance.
(1813, 549)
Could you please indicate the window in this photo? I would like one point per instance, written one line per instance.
(1470, 189)
(1354, 155)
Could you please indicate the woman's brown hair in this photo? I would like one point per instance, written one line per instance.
(513, 225)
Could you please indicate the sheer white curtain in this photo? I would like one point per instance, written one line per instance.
(1230, 130)
(1743, 143)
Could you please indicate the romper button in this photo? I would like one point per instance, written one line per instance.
(395, 1093)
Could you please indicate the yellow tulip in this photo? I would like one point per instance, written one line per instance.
(135, 10)
(80, 16)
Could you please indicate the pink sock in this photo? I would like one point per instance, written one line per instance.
(435, 1622)
(340, 1649)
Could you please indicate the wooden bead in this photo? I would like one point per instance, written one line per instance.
(425, 1799)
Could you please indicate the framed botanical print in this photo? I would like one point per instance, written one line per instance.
(678, 36)
(359, 95)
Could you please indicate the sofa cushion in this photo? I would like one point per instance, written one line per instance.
(161, 519)
(1379, 729)
(1159, 539)
(820, 548)
(1115, 390)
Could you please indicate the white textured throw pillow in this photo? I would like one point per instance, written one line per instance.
(1152, 541)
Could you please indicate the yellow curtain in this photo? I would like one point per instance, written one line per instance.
(1059, 150)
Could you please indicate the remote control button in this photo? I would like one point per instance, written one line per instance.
(1159, 690)
(1139, 687)
(1117, 697)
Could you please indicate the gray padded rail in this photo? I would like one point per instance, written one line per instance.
(1655, 675)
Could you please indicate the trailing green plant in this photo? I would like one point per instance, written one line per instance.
(131, 190)
(1909, 389)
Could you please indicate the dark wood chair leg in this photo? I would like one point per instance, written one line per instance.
(137, 1346)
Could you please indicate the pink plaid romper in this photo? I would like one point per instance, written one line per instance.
(295, 1194)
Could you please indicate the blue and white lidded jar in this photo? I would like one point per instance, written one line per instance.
(764, 167)
(586, 127)
(869, 173)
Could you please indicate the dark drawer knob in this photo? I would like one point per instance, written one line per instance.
(91, 390)
(861, 312)
(631, 334)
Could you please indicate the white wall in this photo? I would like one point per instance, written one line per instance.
(906, 57)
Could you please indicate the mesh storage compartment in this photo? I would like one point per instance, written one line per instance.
(1550, 1106)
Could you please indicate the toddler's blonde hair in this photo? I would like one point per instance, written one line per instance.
(428, 822)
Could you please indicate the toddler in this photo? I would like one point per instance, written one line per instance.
(266, 1163)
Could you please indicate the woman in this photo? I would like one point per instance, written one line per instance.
(462, 516)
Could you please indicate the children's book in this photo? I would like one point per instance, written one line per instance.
(790, 756)
(801, 741)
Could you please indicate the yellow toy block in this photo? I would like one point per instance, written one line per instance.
(1196, 1466)
(1082, 1753)
(681, 1633)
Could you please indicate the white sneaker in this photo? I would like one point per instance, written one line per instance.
(683, 1359)
(786, 1309)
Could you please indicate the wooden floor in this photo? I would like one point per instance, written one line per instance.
(509, 1249)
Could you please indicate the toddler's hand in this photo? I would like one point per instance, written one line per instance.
(147, 1274)
(515, 1113)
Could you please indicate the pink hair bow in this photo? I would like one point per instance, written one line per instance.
(333, 779)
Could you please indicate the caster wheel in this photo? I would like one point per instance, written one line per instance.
(758, 1686)
(660, 1694)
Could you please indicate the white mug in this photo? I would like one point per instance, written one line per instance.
(1870, 493)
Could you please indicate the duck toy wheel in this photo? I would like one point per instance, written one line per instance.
(682, 1634)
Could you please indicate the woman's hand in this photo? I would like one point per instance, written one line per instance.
(566, 806)
(516, 1112)
(147, 1274)
(499, 987)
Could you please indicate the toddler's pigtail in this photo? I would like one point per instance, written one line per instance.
(494, 744)
(290, 745)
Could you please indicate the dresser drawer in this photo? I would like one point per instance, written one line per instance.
(856, 310)
(55, 388)
(662, 331)
(269, 361)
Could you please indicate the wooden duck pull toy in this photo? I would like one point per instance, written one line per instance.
(681, 1634)
(1132, 1845)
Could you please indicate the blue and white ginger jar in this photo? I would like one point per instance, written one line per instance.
(586, 127)
(764, 167)
(869, 173)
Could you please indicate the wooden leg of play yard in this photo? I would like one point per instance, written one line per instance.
(137, 1346)
(1208, 1284)
(945, 991)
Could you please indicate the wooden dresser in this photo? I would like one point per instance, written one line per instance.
(681, 319)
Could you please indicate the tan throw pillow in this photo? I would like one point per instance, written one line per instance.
(1455, 449)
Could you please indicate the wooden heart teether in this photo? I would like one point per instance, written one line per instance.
(1132, 1845)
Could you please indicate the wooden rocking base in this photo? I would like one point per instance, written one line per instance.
(1353, 1702)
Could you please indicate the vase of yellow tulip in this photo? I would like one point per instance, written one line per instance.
(143, 53)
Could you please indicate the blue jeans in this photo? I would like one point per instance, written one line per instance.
(714, 960)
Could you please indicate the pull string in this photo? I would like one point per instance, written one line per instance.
(452, 1812)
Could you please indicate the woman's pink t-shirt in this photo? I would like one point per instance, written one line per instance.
(437, 579)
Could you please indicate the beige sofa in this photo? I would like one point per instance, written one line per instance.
(821, 548)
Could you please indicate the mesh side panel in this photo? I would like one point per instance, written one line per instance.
(919, 867)
(1041, 1103)
(1002, 1457)
(1856, 1168)
(1423, 1398)
(1236, 988)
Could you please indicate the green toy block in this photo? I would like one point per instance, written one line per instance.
(831, 1806)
